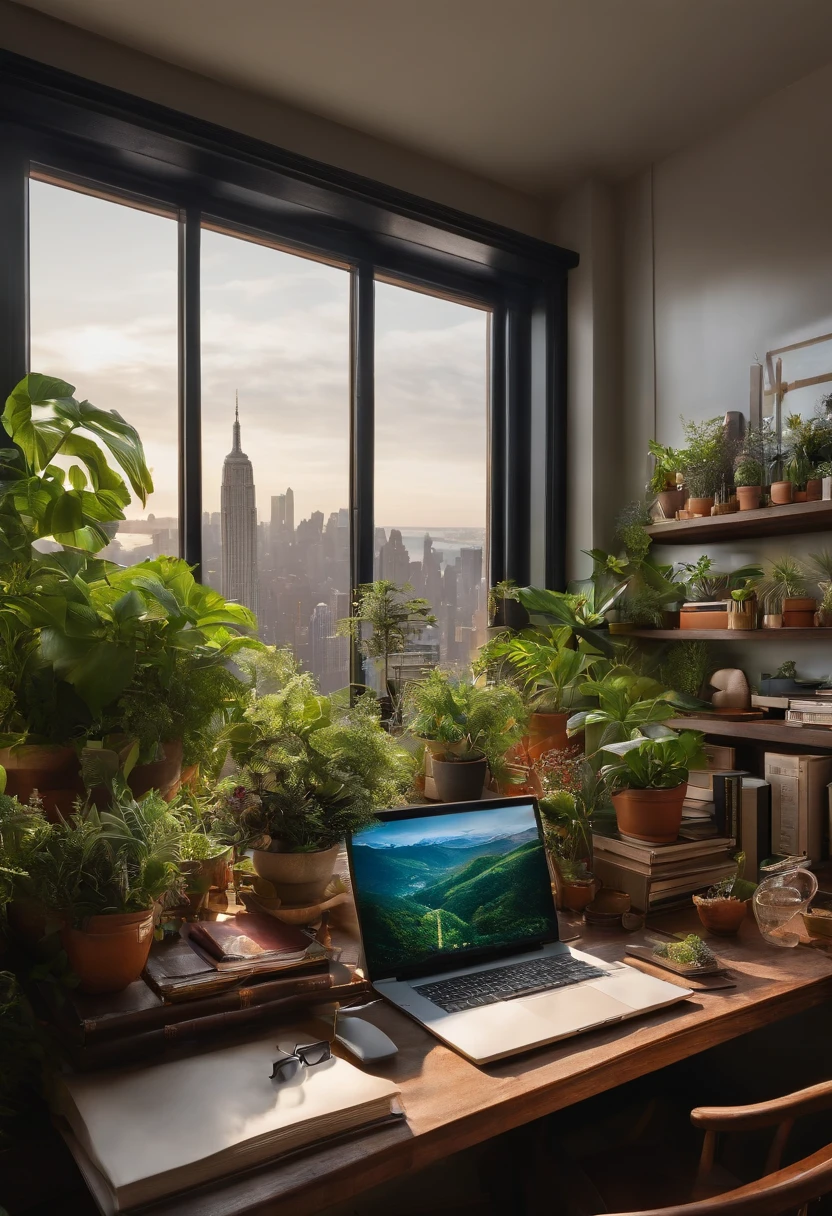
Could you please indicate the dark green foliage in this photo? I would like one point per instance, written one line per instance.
(661, 762)
(685, 666)
(23, 1058)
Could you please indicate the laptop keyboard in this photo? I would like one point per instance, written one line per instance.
(506, 983)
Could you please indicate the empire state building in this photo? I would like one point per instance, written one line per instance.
(239, 525)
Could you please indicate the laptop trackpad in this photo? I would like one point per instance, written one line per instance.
(573, 1007)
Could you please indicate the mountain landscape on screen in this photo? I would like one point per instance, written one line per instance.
(450, 888)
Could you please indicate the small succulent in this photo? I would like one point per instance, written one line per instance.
(692, 951)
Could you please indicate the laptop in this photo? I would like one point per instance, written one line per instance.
(460, 931)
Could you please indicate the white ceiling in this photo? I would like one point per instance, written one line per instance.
(535, 94)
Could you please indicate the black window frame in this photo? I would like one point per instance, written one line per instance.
(81, 132)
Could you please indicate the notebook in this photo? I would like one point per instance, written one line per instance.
(140, 1135)
(248, 936)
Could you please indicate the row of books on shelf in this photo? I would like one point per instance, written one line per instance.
(726, 811)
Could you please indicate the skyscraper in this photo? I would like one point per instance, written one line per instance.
(239, 524)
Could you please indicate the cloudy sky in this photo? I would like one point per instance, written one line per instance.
(275, 329)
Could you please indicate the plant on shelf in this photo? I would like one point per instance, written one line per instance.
(310, 769)
(685, 666)
(582, 610)
(103, 873)
(630, 525)
(743, 607)
(723, 907)
(749, 479)
(799, 471)
(666, 465)
(707, 460)
(467, 728)
(821, 568)
(393, 617)
(784, 581)
(504, 608)
(704, 584)
(810, 438)
(647, 778)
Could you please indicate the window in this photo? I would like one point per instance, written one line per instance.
(275, 444)
(103, 315)
(431, 464)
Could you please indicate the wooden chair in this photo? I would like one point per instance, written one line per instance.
(782, 1190)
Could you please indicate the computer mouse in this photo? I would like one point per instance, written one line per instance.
(364, 1040)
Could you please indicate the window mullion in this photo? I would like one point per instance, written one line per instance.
(190, 396)
(14, 267)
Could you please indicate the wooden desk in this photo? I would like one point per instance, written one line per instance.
(452, 1104)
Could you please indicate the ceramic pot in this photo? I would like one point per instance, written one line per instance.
(298, 878)
(799, 612)
(575, 896)
(670, 501)
(721, 916)
(827, 489)
(163, 775)
(700, 506)
(459, 780)
(749, 497)
(773, 620)
(740, 620)
(54, 772)
(814, 489)
(109, 952)
(800, 496)
(547, 732)
(781, 493)
(651, 815)
(209, 875)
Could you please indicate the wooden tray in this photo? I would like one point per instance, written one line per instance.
(686, 969)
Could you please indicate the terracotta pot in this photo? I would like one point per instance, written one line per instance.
(781, 493)
(54, 772)
(800, 496)
(651, 815)
(721, 916)
(298, 878)
(547, 732)
(576, 895)
(459, 780)
(163, 775)
(110, 951)
(700, 506)
(802, 603)
(799, 612)
(749, 497)
(670, 502)
(814, 489)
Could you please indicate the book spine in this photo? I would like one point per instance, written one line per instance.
(242, 998)
(727, 794)
(151, 1043)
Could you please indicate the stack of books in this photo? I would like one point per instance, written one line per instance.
(657, 876)
(810, 711)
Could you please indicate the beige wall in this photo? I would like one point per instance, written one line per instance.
(735, 238)
(28, 32)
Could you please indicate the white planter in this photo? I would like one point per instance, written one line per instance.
(827, 489)
(298, 878)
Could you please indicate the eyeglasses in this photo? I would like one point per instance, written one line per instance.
(305, 1055)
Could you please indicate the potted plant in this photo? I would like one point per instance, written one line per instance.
(571, 792)
(741, 615)
(706, 585)
(103, 873)
(626, 703)
(663, 484)
(551, 670)
(467, 729)
(707, 460)
(647, 778)
(781, 591)
(310, 769)
(204, 861)
(824, 472)
(723, 907)
(799, 471)
(822, 568)
(504, 608)
(810, 444)
(749, 480)
(393, 617)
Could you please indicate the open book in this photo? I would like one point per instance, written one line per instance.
(142, 1134)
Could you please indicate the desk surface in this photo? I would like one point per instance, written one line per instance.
(451, 1104)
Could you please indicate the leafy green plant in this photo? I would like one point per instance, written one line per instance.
(735, 886)
(646, 763)
(506, 589)
(691, 950)
(309, 770)
(758, 450)
(810, 439)
(628, 702)
(705, 584)
(643, 607)
(123, 859)
(666, 464)
(786, 671)
(784, 579)
(707, 457)
(799, 469)
(196, 845)
(749, 472)
(548, 667)
(630, 530)
(468, 720)
(741, 595)
(824, 469)
(685, 667)
(393, 615)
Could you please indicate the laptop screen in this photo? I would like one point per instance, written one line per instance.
(433, 886)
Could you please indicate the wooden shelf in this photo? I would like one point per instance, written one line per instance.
(762, 732)
(729, 635)
(768, 521)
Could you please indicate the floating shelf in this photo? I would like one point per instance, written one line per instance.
(762, 732)
(768, 521)
(729, 635)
